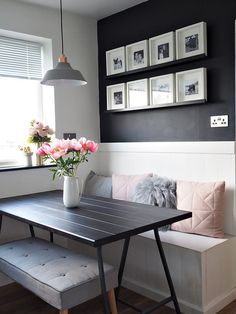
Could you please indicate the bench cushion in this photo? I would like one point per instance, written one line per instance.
(205, 201)
(97, 185)
(123, 186)
(57, 275)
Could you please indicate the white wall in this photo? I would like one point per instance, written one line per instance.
(76, 108)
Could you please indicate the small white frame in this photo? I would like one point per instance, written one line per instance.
(191, 85)
(162, 90)
(137, 93)
(116, 97)
(162, 48)
(137, 55)
(115, 61)
(191, 40)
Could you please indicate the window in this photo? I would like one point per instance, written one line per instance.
(22, 95)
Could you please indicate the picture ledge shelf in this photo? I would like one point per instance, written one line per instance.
(158, 66)
(184, 103)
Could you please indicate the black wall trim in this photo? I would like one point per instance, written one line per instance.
(184, 123)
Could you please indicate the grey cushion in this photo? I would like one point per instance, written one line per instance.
(57, 275)
(98, 185)
(158, 191)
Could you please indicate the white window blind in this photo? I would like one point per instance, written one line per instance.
(20, 58)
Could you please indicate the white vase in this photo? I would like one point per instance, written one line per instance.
(71, 192)
(28, 159)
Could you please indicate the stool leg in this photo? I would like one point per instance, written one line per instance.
(112, 301)
(64, 312)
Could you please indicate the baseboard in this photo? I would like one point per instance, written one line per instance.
(4, 280)
(185, 307)
(221, 302)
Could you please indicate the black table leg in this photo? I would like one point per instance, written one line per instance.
(122, 265)
(51, 236)
(102, 280)
(0, 222)
(167, 272)
(32, 231)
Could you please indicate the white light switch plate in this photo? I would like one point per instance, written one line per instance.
(219, 121)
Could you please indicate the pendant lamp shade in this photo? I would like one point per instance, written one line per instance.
(63, 73)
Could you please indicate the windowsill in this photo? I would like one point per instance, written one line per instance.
(13, 168)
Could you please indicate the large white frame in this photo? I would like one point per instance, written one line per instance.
(137, 93)
(191, 85)
(162, 90)
(137, 55)
(191, 40)
(115, 61)
(162, 48)
(116, 96)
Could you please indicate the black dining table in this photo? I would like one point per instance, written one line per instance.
(97, 221)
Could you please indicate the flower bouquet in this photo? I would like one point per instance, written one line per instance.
(66, 155)
(39, 133)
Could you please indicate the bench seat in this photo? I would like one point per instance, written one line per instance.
(57, 275)
(201, 269)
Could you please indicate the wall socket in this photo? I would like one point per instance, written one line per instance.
(69, 136)
(219, 121)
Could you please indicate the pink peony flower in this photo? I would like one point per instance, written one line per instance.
(41, 151)
(91, 146)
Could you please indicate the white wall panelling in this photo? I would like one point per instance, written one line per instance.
(197, 161)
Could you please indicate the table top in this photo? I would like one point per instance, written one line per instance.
(97, 220)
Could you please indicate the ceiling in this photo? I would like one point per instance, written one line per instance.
(97, 9)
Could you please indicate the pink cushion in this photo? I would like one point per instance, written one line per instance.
(123, 186)
(205, 201)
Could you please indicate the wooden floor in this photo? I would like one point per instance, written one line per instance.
(16, 300)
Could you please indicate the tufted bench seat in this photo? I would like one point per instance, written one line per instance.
(57, 275)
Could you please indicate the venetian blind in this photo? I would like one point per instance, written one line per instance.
(20, 58)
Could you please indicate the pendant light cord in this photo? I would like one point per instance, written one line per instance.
(62, 42)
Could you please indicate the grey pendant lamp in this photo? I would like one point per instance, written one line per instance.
(63, 73)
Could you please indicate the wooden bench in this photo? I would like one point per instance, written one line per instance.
(201, 269)
(57, 275)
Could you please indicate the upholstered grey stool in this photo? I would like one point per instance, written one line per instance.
(59, 276)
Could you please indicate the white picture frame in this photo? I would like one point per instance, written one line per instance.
(162, 48)
(137, 55)
(115, 61)
(137, 93)
(162, 90)
(191, 85)
(116, 97)
(191, 40)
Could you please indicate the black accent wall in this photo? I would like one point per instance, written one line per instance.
(182, 123)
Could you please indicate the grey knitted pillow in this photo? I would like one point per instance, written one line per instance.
(157, 191)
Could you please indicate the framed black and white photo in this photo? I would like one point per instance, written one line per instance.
(191, 85)
(116, 96)
(137, 93)
(191, 40)
(115, 61)
(137, 55)
(162, 90)
(162, 48)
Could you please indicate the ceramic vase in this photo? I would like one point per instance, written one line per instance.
(28, 159)
(71, 192)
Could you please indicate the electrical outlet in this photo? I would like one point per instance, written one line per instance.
(219, 121)
(69, 136)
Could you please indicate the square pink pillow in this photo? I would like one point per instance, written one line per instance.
(205, 201)
(123, 186)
